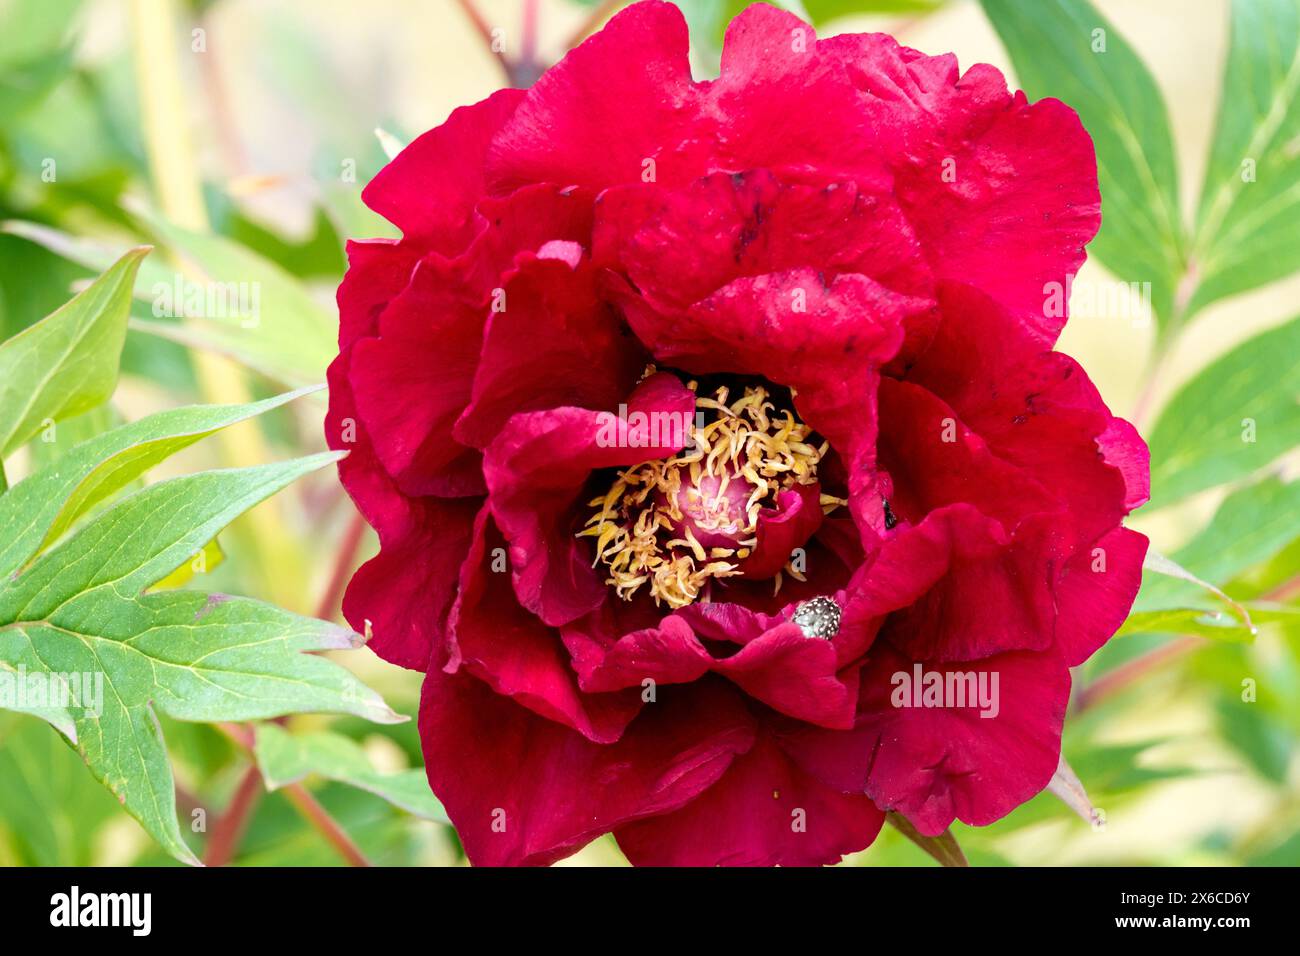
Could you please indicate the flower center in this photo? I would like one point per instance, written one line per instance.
(675, 524)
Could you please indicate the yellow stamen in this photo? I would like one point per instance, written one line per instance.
(749, 439)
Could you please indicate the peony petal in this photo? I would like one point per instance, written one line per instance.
(1048, 419)
(401, 596)
(667, 654)
(764, 811)
(935, 764)
(536, 469)
(782, 104)
(516, 654)
(378, 269)
(796, 517)
(1036, 410)
(793, 674)
(610, 105)
(984, 177)
(1123, 447)
(933, 460)
(1097, 587)
(960, 587)
(413, 381)
(524, 790)
(555, 343)
(1023, 190)
(679, 246)
(430, 188)
(826, 341)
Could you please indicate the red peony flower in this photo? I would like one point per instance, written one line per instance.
(729, 490)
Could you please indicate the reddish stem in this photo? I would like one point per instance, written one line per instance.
(344, 560)
(319, 817)
(598, 16)
(1284, 592)
(1128, 673)
(1112, 682)
(528, 43)
(303, 802)
(485, 31)
(230, 827)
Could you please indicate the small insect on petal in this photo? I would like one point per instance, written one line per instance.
(818, 617)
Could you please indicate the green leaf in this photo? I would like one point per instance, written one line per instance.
(1051, 44)
(1203, 622)
(37, 511)
(287, 335)
(823, 10)
(50, 808)
(206, 559)
(56, 441)
(34, 51)
(1265, 745)
(23, 85)
(1252, 525)
(1228, 620)
(1235, 416)
(66, 363)
(80, 609)
(92, 254)
(32, 27)
(285, 758)
(16, 695)
(1248, 223)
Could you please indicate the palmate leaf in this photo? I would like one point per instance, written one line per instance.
(1248, 222)
(81, 608)
(66, 363)
(1057, 51)
(285, 758)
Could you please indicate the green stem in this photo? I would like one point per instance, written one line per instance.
(943, 848)
(4, 481)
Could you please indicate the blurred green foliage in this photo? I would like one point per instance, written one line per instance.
(1201, 746)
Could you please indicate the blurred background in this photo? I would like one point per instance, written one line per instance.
(236, 135)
